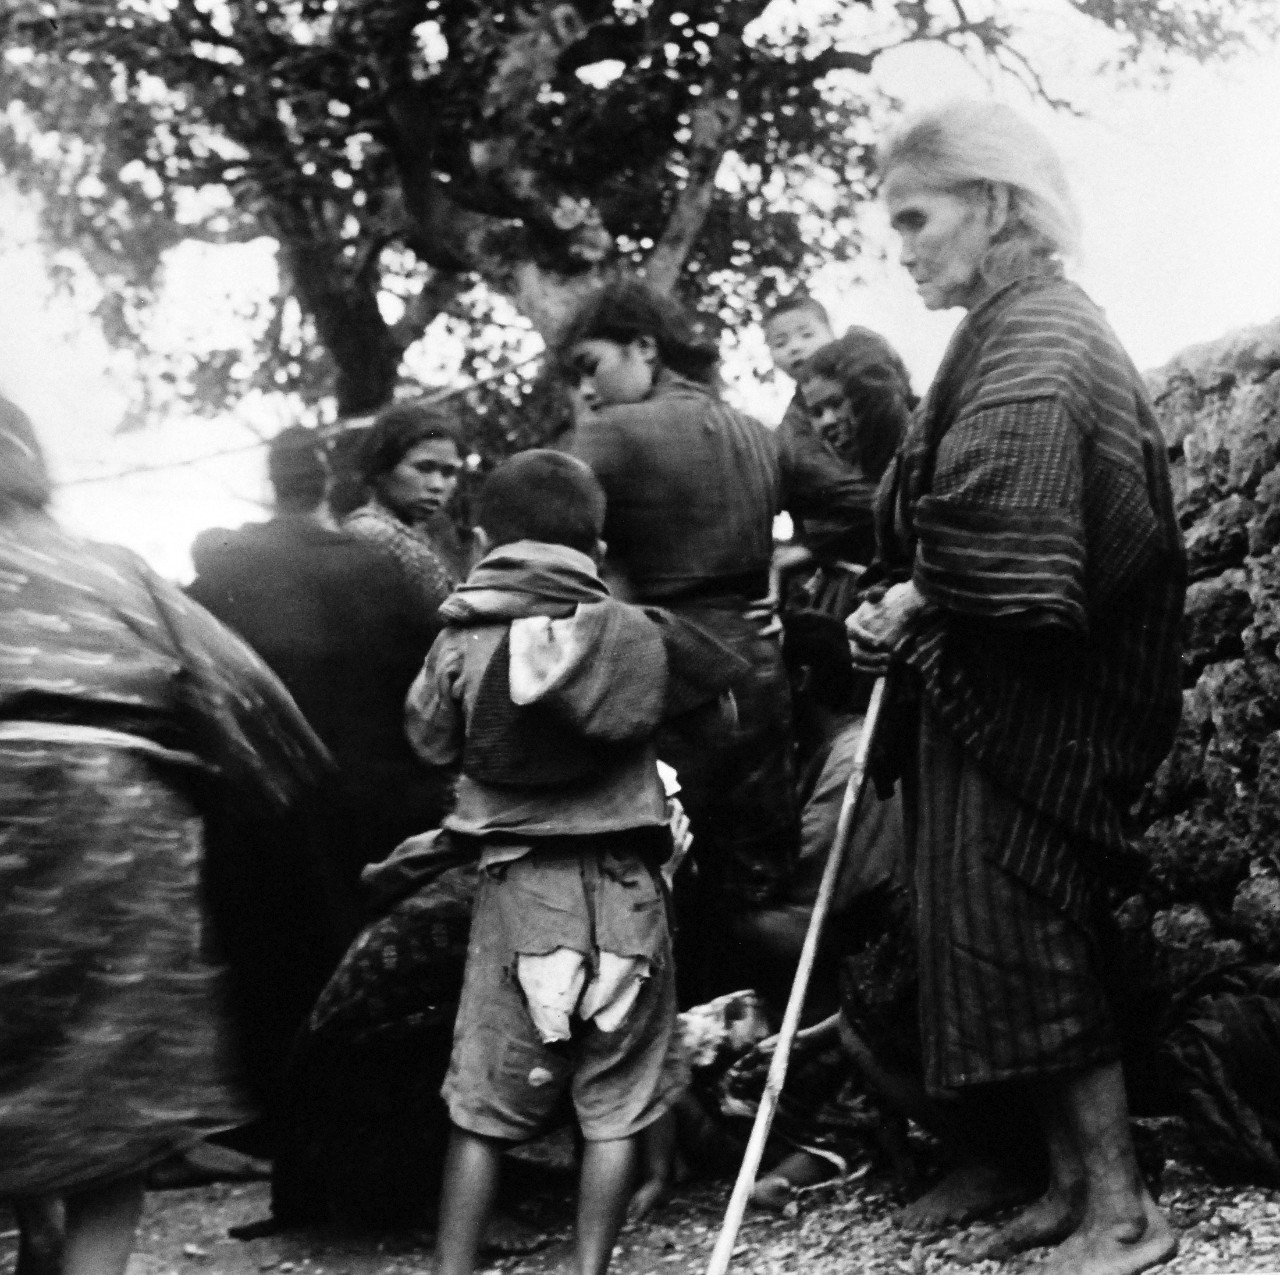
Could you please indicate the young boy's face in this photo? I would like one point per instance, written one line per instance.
(793, 336)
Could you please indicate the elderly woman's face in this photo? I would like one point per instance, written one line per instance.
(424, 480)
(945, 236)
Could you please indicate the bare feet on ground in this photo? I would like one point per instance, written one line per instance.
(649, 1195)
(966, 1193)
(1049, 1220)
(509, 1237)
(1115, 1248)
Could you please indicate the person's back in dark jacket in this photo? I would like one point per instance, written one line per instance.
(332, 616)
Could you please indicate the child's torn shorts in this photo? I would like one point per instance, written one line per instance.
(582, 895)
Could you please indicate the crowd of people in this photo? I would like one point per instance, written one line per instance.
(389, 847)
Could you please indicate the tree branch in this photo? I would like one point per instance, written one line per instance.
(714, 125)
(431, 300)
(829, 60)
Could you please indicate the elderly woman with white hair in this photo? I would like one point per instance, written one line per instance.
(1035, 627)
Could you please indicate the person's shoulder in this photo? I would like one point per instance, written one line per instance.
(364, 522)
(1047, 340)
(628, 416)
(219, 547)
(1055, 315)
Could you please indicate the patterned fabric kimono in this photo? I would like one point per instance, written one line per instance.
(1031, 505)
(123, 708)
(432, 571)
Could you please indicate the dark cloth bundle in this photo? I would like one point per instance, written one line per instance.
(363, 1129)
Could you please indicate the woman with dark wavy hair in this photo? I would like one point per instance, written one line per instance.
(693, 485)
(857, 393)
(410, 461)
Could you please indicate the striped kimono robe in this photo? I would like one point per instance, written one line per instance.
(1032, 507)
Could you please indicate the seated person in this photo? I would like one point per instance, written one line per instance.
(827, 696)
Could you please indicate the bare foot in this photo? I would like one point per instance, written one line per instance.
(971, 1191)
(773, 1193)
(508, 1236)
(652, 1193)
(1053, 1217)
(1115, 1248)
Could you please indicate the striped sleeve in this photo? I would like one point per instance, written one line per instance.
(1001, 535)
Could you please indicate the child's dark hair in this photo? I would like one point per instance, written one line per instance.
(818, 641)
(876, 383)
(629, 308)
(542, 495)
(398, 429)
(797, 303)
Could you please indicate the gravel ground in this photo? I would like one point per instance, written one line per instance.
(843, 1228)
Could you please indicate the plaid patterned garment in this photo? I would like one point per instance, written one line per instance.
(1032, 505)
(424, 563)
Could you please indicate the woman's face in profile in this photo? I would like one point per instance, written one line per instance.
(423, 481)
(945, 236)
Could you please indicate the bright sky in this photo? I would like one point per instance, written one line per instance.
(1180, 191)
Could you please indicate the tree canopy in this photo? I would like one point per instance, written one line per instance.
(414, 159)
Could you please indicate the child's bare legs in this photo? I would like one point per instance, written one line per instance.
(470, 1183)
(657, 1166)
(608, 1169)
(100, 1223)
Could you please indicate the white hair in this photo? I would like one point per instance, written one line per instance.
(962, 143)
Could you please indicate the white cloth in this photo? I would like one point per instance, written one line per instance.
(556, 987)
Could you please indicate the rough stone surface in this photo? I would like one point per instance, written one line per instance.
(1257, 911)
(1238, 712)
(1213, 810)
(1219, 610)
(1264, 526)
(1219, 538)
(1185, 947)
(1197, 857)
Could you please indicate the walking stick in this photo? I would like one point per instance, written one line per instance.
(723, 1251)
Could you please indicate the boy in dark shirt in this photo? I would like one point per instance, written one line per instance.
(549, 692)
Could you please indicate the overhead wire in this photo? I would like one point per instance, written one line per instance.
(131, 471)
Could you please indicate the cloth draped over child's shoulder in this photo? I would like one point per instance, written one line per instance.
(578, 675)
(1031, 505)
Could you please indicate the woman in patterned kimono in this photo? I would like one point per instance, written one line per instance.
(1031, 520)
(410, 463)
(123, 707)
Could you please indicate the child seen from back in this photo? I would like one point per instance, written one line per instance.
(549, 692)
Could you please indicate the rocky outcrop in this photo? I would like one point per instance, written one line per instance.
(1213, 811)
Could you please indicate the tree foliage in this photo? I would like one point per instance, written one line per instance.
(423, 162)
